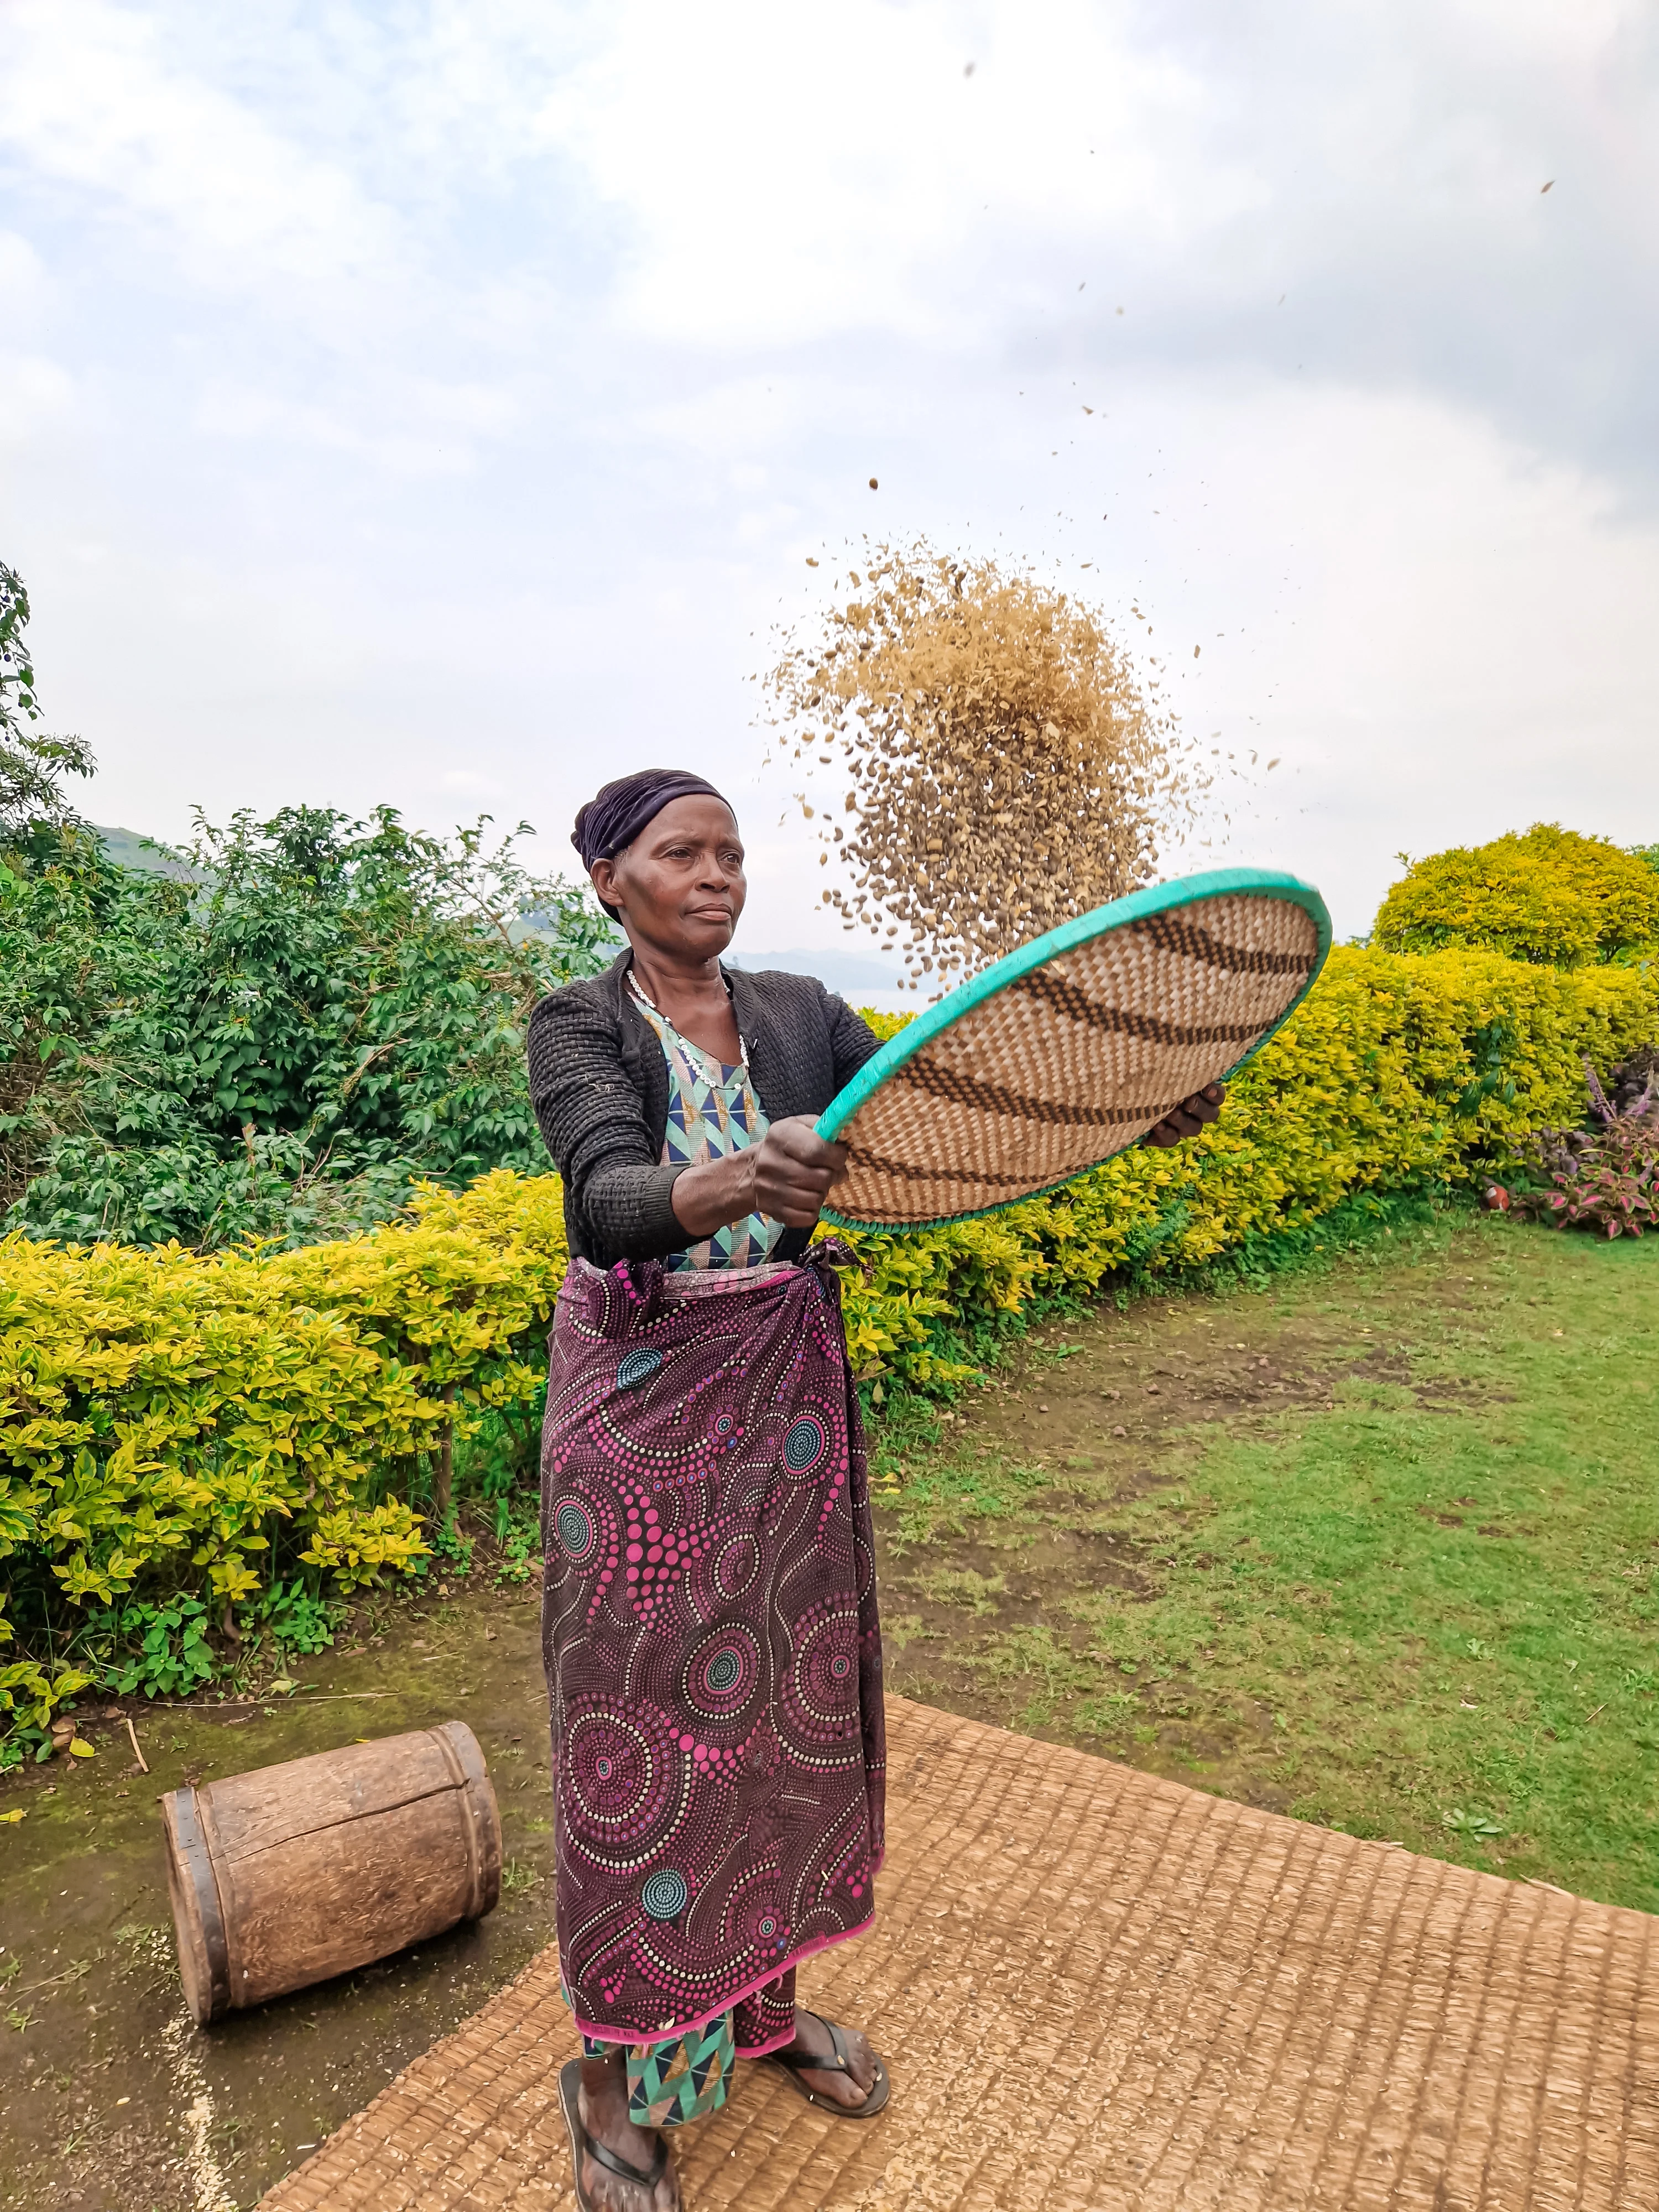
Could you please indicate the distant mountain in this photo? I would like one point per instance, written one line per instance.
(848, 973)
(129, 848)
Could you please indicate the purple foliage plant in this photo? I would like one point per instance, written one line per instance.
(1605, 1177)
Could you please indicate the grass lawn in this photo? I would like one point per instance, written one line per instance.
(1376, 1546)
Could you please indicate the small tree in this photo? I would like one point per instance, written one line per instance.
(34, 814)
(278, 1038)
(1551, 897)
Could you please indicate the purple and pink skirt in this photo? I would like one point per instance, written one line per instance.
(712, 1645)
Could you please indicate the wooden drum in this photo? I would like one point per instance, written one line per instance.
(284, 1876)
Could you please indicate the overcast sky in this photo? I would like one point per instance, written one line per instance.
(437, 404)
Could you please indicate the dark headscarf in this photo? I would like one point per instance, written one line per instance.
(616, 816)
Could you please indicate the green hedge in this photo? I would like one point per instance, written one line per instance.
(167, 1417)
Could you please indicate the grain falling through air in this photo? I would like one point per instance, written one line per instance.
(1007, 768)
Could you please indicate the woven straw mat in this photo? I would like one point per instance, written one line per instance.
(1069, 1064)
(1101, 1992)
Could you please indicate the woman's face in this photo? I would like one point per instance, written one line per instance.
(679, 886)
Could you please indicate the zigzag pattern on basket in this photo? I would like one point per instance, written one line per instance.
(1073, 1061)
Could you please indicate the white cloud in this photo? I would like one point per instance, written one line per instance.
(789, 174)
(22, 280)
(86, 99)
(33, 392)
(488, 366)
(1449, 637)
(777, 180)
(422, 431)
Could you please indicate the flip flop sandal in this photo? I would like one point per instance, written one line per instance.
(796, 2062)
(582, 2144)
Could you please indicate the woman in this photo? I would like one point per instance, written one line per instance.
(709, 1625)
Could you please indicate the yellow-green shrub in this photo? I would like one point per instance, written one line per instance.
(1549, 896)
(163, 1411)
(162, 1414)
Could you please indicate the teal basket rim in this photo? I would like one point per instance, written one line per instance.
(945, 1012)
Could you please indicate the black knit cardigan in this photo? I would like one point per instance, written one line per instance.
(599, 1084)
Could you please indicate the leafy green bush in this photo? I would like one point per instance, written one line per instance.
(300, 1618)
(277, 1039)
(448, 1541)
(1550, 896)
(166, 1648)
(212, 1425)
(519, 1538)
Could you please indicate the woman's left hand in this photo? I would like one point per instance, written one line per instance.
(1189, 1117)
(795, 1168)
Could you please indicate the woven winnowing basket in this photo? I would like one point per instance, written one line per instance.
(1073, 1048)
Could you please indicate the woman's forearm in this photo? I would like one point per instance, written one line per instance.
(713, 1196)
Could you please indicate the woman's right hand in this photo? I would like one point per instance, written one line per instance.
(787, 1177)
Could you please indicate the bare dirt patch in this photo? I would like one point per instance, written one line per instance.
(112, 2101)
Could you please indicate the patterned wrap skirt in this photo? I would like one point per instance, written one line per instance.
(712, 1650)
